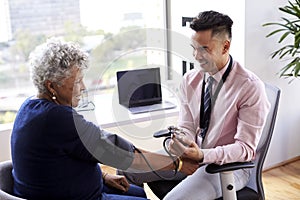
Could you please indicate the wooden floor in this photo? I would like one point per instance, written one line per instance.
(280, 183)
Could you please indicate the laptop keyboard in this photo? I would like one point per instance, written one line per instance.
(152, 107)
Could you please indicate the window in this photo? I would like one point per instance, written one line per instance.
(114, 33)
(117, 35)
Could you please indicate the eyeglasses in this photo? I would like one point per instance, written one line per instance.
(85, 104)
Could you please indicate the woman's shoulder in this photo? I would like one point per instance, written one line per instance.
(44, 106)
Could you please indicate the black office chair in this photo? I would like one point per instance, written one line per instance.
(254, 189)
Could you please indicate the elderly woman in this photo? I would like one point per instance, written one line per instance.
(55, 151)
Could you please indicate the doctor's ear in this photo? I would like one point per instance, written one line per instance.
(226, 46)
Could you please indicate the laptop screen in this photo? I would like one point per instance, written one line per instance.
(139, 87)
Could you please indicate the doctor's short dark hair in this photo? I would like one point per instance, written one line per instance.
(218, 22)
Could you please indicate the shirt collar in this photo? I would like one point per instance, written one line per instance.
(218, 76)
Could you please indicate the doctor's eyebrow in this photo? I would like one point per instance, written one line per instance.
(200, 47)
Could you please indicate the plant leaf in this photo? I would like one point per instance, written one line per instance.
(289, 51)
(288, 27)
(289, 66)
(279, 51)
(297, 39)
(285, 69)
(274, 32)
(297, 68)
(284, 36)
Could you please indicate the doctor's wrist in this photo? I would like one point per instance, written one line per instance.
(201, 156)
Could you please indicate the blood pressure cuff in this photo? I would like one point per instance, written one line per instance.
(115, 151)
(102, 146)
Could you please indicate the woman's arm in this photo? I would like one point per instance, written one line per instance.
(162, 162)
(111, 149)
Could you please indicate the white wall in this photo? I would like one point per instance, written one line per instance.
(286, 138)
(5, 144)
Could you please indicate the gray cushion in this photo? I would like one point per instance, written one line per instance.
(6, 181)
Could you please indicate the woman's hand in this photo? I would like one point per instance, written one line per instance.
(116, 181)
(185, 148)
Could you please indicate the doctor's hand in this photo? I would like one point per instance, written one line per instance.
(189, 166)
(185, 148)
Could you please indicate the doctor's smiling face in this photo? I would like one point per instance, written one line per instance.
(209, 50)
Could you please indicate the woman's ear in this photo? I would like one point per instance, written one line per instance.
(49, 86)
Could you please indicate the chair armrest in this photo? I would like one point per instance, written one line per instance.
(214, 168)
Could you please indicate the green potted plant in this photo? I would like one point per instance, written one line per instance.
(288, 28)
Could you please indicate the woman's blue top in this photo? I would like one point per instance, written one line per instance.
(55, 153)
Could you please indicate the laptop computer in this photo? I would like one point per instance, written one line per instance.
(140, 90)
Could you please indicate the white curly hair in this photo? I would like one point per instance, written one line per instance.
(53, 61)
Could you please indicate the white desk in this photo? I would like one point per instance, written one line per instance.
(137, 128)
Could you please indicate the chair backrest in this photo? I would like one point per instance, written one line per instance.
(6, 181)
(255, 182)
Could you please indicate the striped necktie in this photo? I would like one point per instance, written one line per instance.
(207, 105)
